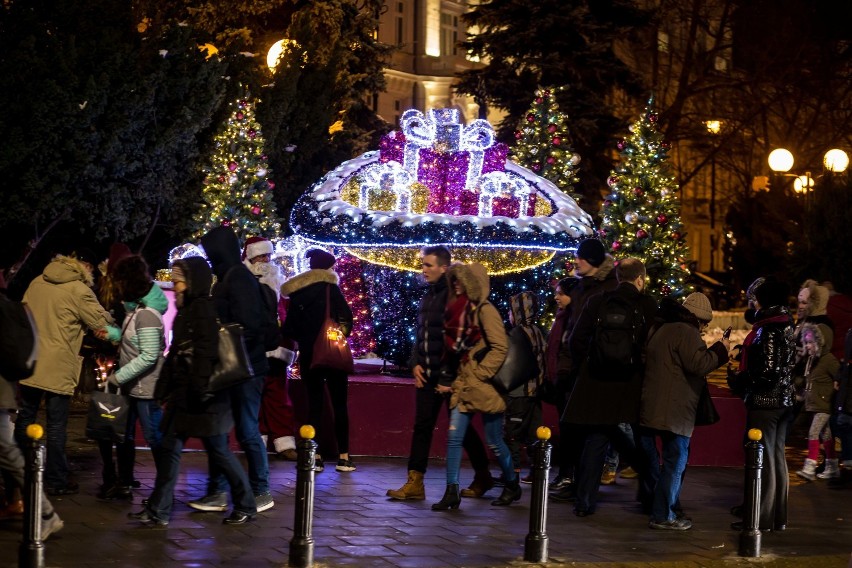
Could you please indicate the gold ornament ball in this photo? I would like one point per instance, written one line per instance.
(35, 431)
(543, 433)
(755, 434)
(307, 432)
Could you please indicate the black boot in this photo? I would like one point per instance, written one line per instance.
(511, 493)
(450, 500)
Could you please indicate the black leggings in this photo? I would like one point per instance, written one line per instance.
(338, 390)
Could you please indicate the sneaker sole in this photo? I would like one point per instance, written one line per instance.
(344, 468)
(262, 508)
(208, 508)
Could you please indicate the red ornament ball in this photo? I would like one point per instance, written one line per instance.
(621, 145)
(662, 219)
(607, 202)
(270, 183)
(611, 181)
(530, 117)
(666, 289)
(556, 140)
(518, 134)
(551, 128)
(232, 167)
(638, 191)
(536, 166)
(221, 179)
(255, 210)
(653, 117)
(602, 233)
(252, 134)
(240, 116)
(226, 223)
(551, 160)
(675, 236)
(616, 245)
(641, 234)
(539, 100)
(243, 103)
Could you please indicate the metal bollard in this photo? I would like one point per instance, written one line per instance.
(302, 543)
(750, 535)
(31, 551)
(535, 545)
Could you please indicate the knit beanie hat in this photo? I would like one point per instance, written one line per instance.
(699, 305)
(319, 259)
(592, 251)
(256, 246)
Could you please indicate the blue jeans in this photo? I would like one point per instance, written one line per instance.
(56, 408)
(168, 468)
(245, 405)
(150, 413)
(459, 423)
(669, 477)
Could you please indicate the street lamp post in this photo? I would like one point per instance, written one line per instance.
(713, 127)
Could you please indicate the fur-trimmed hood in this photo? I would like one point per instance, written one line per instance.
(607, 266)
(64, 269)
(305, 279)
(474, 280)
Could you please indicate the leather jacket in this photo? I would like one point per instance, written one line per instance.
(764, 379)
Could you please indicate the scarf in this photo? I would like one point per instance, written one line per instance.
(461, 331)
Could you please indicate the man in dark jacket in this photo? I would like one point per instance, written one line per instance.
(595, 274)
(598, 404)
(432, 367)
(238, 299)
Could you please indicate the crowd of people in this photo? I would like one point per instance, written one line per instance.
(625, 373)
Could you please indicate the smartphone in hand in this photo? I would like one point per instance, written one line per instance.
(727, 334)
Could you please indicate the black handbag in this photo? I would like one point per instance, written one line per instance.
(520, 364)
(107, 418)
(706, 413)
(234, 366)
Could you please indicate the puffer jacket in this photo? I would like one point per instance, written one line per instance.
(428, 349)
(676, 362)
(764, 378)
(140, 357)
(63, 306)
(473, 390)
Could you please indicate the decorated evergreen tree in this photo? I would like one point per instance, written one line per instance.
(641, 217)
(237, 192)
(542, 142)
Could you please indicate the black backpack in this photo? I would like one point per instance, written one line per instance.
(18, 340)
(616, 353)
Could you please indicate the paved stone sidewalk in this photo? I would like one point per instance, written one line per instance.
(356, 525)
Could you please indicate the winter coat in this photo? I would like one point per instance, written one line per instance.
(602, 281)
(840, 311)
(820, 370)
(142, 344)
(676, 362)
(843, 398)
(237, 293)
(63, 306)
(765, 376)
(558, 357)
(306, 310)
(473, 390)
(605, 402)
(183, 384)
(8, 395)
(428, 350)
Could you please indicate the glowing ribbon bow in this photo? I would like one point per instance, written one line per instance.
(442, 127)
(387, 177)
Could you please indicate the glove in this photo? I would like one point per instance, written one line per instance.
(111, 379)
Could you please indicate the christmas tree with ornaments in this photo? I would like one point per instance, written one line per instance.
(641, 215)
(237, 191)
(542, 142)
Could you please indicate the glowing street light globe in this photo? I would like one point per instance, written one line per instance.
(277, 50)
(836, 160)
(781, 160)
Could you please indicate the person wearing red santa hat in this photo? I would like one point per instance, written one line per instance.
(277, 419)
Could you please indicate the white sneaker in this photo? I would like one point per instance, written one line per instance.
(51, 525)
(264, 502)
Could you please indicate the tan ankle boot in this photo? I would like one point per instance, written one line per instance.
(413, 490)
(482, 482)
